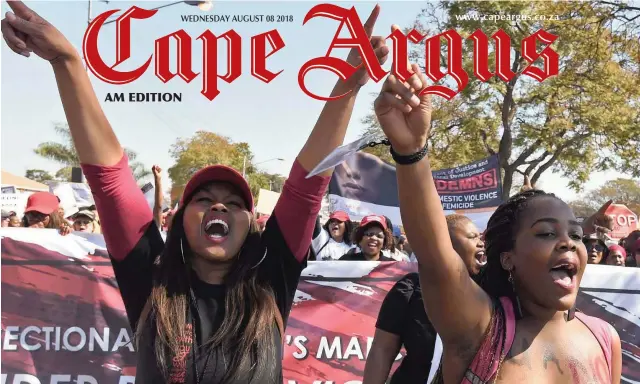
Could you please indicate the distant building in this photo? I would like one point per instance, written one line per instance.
(21, 184)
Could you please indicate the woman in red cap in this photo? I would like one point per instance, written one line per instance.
(334, 237)
(617, 256)
(42, 211)
(372, 237)
(210, 305)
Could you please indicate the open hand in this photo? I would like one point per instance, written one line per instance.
(380, 48)
(25, 31)
(404, 115)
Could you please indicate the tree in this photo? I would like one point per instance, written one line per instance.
(585, 119)
(622, 191)
(65, 154)
(208, 148)
(38, 175)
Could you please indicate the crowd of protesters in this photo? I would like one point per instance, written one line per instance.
(211, 302)
(43, 210)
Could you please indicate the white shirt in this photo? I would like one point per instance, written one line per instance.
(328, 249)
(398, 255)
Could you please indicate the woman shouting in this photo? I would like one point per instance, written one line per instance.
(210, 305)
(519, 323)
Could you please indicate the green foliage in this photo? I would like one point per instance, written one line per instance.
(208, 148)
(38, 175)
(621, 191)
(65, 154)
(585, 119)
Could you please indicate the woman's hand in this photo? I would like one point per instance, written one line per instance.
(65, 229)
(404, 115)
(380, 48)
(157, 172)
(599, 221)
(25, 32)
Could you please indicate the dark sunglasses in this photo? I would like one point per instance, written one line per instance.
(379, 235)
(597, 247)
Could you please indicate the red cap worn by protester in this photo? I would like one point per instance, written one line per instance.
(220, 174)
(616, 247)
(340, 216)
(43, 202)
(374, 219)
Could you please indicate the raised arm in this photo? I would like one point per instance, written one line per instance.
(104, 163)
(300, 201)
(158, 200)
(458, 308)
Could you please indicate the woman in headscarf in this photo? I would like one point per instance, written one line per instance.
(210, 305)
(617, 256)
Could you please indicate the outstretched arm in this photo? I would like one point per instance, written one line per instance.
(301, 198)
(157, 203)
(104, 163)
(458, 308)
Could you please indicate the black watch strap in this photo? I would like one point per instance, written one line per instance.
(409, 159)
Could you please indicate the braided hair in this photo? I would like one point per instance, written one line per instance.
(500, 237)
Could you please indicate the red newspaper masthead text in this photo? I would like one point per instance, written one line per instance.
(163, 53)
(259, 54)
(454, 65)
(210, 61)
(481, 56)
(91, 53)
(400, 66)
(550, 57)
(483, 181)
(358, 39)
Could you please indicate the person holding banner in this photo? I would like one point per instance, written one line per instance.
(43, 211)
(210, 305)
(412, 329)
(518, 324)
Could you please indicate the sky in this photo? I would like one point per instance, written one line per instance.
(275, 118)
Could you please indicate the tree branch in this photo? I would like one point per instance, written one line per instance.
(489, 150)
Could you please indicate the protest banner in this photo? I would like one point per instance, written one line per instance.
(63, 319)
(364, 185)
(15, 202)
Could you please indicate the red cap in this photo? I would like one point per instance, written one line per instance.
(340, 216)
(43, 202)
(221, 174)
(374, 219)
(616, 247)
